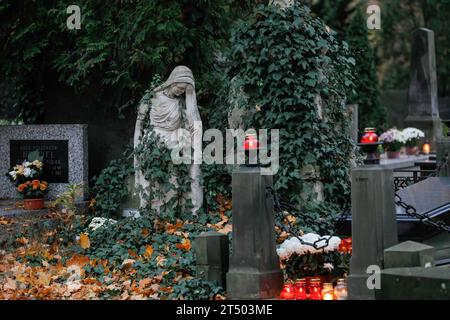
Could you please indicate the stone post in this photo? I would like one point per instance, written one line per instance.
(374, 225)
(254, 265)
(423, 105)
(212, 256)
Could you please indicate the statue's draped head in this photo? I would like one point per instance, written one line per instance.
(179, 78)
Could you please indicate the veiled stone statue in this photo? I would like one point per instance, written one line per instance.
(172, 108)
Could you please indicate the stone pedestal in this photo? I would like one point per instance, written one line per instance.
(423, 105)
(374, 225)
(212, 255)
(254, 265)
(409, 254)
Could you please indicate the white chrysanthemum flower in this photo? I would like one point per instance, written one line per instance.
(99, 222)
(413, 133)
(294, 245)
(328, 266)
(282, 253)
(26, 164)
(38, 164)
(27, 172)
(13, 174)
(334, 243)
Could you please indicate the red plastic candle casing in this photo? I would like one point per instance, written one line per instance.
(315, 289)
(370, 136)
(251, 142)
(300, 289)
(288, 292)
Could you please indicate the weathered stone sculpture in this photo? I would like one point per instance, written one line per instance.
(172, 109)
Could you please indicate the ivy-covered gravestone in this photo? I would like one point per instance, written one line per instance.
(295, 74)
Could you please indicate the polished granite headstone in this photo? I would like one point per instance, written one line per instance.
(64, 148)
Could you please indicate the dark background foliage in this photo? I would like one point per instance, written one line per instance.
(98, 74)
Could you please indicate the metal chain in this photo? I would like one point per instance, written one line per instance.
(423, 218)
(282, 207)
(281, 210)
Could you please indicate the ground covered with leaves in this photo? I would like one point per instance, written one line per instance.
(139, 258)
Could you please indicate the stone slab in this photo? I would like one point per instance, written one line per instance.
(441, 243)
(430, 196)
(403, 162)
(415, 284)
(76, 136)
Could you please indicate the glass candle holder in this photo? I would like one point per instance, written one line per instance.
(300, 289)
(341, 290)
(328, 291)
(426, 149)
(288, 292)
(315, 289)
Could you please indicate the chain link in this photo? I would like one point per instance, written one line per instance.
(424, 218)
(284, 209)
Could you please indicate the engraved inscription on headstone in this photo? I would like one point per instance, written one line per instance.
(55, 153)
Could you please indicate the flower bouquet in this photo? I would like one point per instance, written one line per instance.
(300, 260)
(393, 140)
(26, 171)
(412, 137)
(27, 178)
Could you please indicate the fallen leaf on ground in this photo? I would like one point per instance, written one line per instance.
(148, 252)
(184, 245)
(23, 241)
(226, 230)
(85, 243)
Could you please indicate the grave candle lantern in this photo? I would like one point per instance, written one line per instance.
(426, 149)
(341, 291)
(288, 292)
(370, 136)
(300, 289)
(315, 289)
(251, 142)
(328, 291)
(369, 145)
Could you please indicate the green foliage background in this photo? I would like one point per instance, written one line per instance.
(367, 95)
(117, 51)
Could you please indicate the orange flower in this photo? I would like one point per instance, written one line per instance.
(345, 246)
(36, 184)
(21, 187)
(43, 186)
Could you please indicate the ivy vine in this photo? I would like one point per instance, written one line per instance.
(285, 60)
